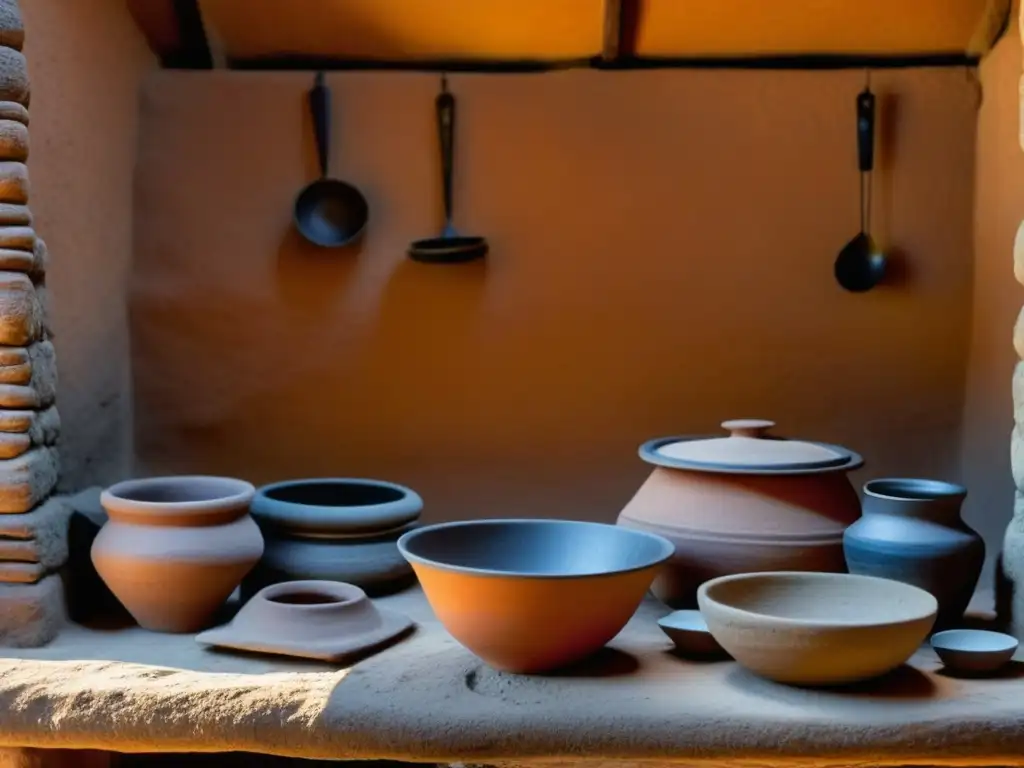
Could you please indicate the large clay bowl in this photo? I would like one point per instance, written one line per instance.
(816, 628)
(530, 596)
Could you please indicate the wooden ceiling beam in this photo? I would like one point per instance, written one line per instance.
(621, 25)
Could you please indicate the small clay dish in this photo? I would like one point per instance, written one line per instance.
(325, 620)
(973, 651)
(689, 632)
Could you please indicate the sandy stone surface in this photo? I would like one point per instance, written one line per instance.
(31, 614)
(12, 110)
(14, 215)
(13, 140)
(20, 313)
(14, 184)
(27, 480)
(12, 30)
(16, 238)
(42, 426)
(21, 572)
(39, 536)
(14, 84)
(427, 699)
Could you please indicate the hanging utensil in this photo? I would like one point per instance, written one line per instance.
(860, 265)
(329, 213)
(449, 247)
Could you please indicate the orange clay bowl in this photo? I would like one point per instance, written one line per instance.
(530, 596)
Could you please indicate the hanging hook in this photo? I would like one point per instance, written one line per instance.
(867, 78)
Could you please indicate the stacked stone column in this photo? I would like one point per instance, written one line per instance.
(33, 523)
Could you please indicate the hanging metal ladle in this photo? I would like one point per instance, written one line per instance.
(860, 265)
(450, 247)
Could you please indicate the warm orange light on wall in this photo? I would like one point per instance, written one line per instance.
(751, 27)
(410, 29)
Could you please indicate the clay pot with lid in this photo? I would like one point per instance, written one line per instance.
(744, 503)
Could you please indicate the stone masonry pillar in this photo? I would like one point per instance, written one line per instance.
(33, 523)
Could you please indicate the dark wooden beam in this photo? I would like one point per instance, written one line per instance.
(612, 29)
(194, 50)
(621, 26)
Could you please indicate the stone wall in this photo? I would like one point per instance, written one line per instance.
(33, 540)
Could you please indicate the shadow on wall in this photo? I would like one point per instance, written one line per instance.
(662, 249)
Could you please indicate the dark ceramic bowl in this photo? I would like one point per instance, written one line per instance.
(533, 595)
(336, 506)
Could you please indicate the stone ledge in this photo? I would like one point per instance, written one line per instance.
(428, 700)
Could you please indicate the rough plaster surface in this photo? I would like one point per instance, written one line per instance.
(86, 59)
(427, 699)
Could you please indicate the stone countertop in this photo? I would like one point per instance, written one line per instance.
(428, 700)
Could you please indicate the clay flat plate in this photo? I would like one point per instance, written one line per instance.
(393, 625)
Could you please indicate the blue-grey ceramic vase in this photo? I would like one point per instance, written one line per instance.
(911, 531)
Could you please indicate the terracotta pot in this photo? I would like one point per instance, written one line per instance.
(175, 548)
(744, 503)
(334, 529)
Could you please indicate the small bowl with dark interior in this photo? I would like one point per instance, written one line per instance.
(529, 596)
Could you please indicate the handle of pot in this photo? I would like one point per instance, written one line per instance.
(320, 107)
(445, 104)
(866, 131)
(748, 427)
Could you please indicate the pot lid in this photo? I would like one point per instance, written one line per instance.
(749, 448)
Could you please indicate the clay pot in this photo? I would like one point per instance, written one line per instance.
(334, 529)
(912, 531)
(175, 548)
(744, 503)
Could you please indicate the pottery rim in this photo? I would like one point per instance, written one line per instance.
(826, 623)
(270, 505)
(650, 452)
(913, 489)
(665, 548)
(224, 493)
(338, 594)
(685, 620)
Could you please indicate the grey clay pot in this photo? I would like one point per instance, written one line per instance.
(911, 531)
(334, 529)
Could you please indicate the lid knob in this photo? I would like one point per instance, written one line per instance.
(748, 427)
